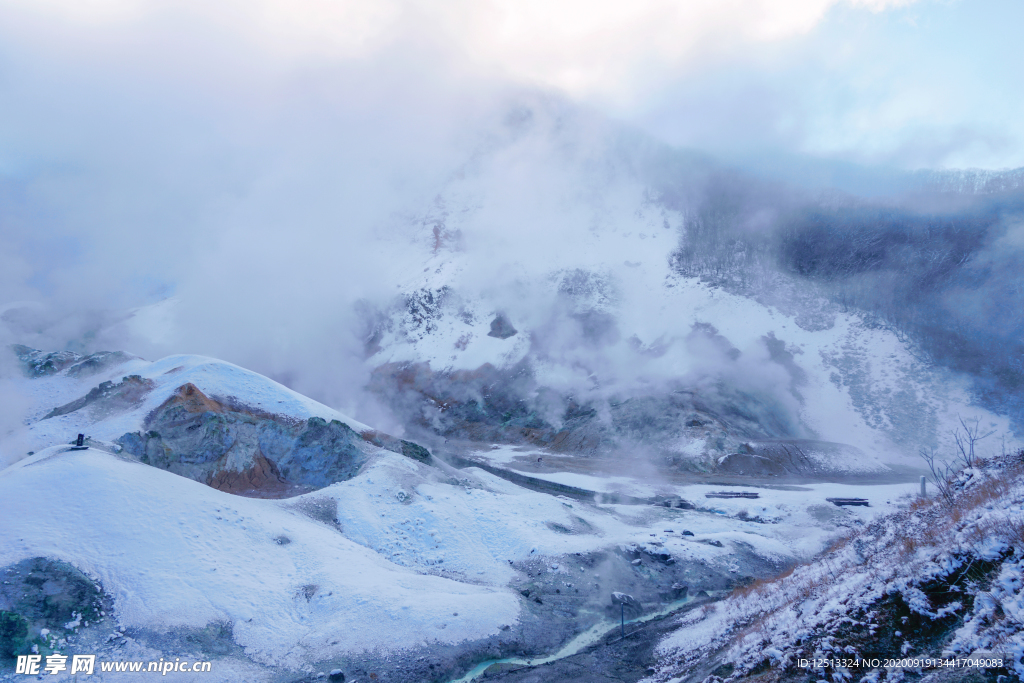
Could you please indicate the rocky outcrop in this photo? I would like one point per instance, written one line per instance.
(261, 480)
(43, 601)
(485, 404)
(502, 328)
(242, 450)
(396, 445)
(35, 363)
(775, 457)
(108, 398)
(492, 405)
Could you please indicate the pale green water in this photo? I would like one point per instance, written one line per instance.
(583, 640)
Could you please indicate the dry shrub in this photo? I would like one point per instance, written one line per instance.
(1013, 531)
(791, 589)
(1010, 530)
(840, 542)
(941, 520)
(935, 531)
(976, 534)
(985, 492)
(761, 630)
(757, 626)
(761, 586)
(939, 528)
(809, 588)
(955, 515)
(921, 504)
(756, 586)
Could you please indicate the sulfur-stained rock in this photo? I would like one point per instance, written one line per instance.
(235, 448)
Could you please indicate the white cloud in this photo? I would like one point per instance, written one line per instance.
(609, 50)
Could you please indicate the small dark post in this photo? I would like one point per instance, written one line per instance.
(624, 600)
(81, 440)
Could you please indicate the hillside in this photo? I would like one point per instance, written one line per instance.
(936, 582)
(450, 560)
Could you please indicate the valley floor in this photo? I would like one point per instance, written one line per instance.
(406, 566)
(450, 567)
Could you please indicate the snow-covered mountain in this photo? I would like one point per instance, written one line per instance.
(610, 369)
(575, 287)
(402, 565)
(705, 373)
(599, 298)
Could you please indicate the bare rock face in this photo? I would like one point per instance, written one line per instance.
(242, 450)
(108, 398)
(774, 457)
(508, 405)
(42, 601)
(263, 479)
(486, 404)
(37, 363)
(502, 328)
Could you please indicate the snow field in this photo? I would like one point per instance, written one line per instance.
(174, 552)
(471, 529)
(416, 545)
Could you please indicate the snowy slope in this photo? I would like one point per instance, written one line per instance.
(473, 531)
(939, 580)
(403, 546)
(174, 553)
(212, 377)
(840, 378)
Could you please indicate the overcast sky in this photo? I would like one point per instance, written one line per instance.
(925, 83)
(244, 156)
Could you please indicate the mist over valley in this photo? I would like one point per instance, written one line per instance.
(393, 342)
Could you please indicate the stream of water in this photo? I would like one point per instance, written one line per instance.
(592, 635)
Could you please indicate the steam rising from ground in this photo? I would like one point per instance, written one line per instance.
(257, 187)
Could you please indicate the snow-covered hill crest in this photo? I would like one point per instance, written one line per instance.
(202, 418)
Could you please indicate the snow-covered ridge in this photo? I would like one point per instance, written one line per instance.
(162, 379)
(404, 555)
(972, 180)
(841, 379)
